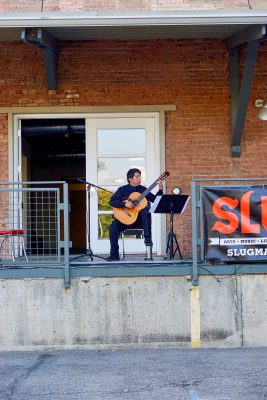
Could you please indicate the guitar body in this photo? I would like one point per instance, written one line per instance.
(128, 216)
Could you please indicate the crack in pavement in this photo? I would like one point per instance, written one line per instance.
(24, 375)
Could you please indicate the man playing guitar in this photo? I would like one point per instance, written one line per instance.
(120, 201)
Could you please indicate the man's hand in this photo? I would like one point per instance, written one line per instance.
(129, 204)
(160, 185)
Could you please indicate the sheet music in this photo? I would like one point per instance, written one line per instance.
(185, 204)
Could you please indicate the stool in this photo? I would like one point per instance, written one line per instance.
(10, 234)
(139, 232)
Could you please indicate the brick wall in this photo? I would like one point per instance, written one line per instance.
(93, 5)
(192, 74)
(3, 148)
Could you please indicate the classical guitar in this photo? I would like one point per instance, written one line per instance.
(128, 216)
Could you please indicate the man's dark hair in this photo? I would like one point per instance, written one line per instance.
(131, 172)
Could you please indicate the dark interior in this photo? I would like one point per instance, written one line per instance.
(54, 148)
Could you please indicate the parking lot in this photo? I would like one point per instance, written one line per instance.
(143, 374)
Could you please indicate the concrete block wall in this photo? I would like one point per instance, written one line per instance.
(234, 311)
(152, 5)
(41, 313)
(145, 311)
(254, 302)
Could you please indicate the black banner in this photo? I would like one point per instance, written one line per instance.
(235, 223)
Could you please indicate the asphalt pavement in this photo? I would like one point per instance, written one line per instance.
(143, 374)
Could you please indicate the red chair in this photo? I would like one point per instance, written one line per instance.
(9, 234)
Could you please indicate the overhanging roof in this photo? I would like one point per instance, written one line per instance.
(133, 25)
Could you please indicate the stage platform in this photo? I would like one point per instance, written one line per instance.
(132, 266)
(129, 259)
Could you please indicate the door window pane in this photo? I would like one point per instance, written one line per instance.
(104, 197)
(112, 171)
(104, 220)
(121, 141)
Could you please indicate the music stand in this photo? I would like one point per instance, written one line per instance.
(170, 204)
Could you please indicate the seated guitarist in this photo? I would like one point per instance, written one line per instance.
(144, 217)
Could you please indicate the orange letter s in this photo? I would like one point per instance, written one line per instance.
(227, 215)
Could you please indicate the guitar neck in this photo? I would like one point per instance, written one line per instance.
(151, 187)
(148, 190)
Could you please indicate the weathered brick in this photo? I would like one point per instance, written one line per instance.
(198, 136)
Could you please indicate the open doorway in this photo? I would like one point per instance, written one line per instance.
(96, 147)
(54, 150)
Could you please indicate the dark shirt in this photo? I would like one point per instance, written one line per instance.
(124, 192)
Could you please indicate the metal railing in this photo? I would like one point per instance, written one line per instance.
(197, 187)
(34, 224)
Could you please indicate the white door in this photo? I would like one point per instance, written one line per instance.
(114, 144)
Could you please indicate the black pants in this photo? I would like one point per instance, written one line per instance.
(143, 219)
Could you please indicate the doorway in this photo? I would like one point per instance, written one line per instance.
(114, 144)
(54, 150)
(99, 148)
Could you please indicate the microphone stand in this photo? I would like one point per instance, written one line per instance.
(89, 252)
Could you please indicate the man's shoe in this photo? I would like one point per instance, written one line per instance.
(148, 241)
(113, 258)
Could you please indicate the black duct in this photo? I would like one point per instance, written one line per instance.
(52, 127)
(54, 138)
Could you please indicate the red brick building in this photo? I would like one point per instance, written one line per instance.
(154, 60)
